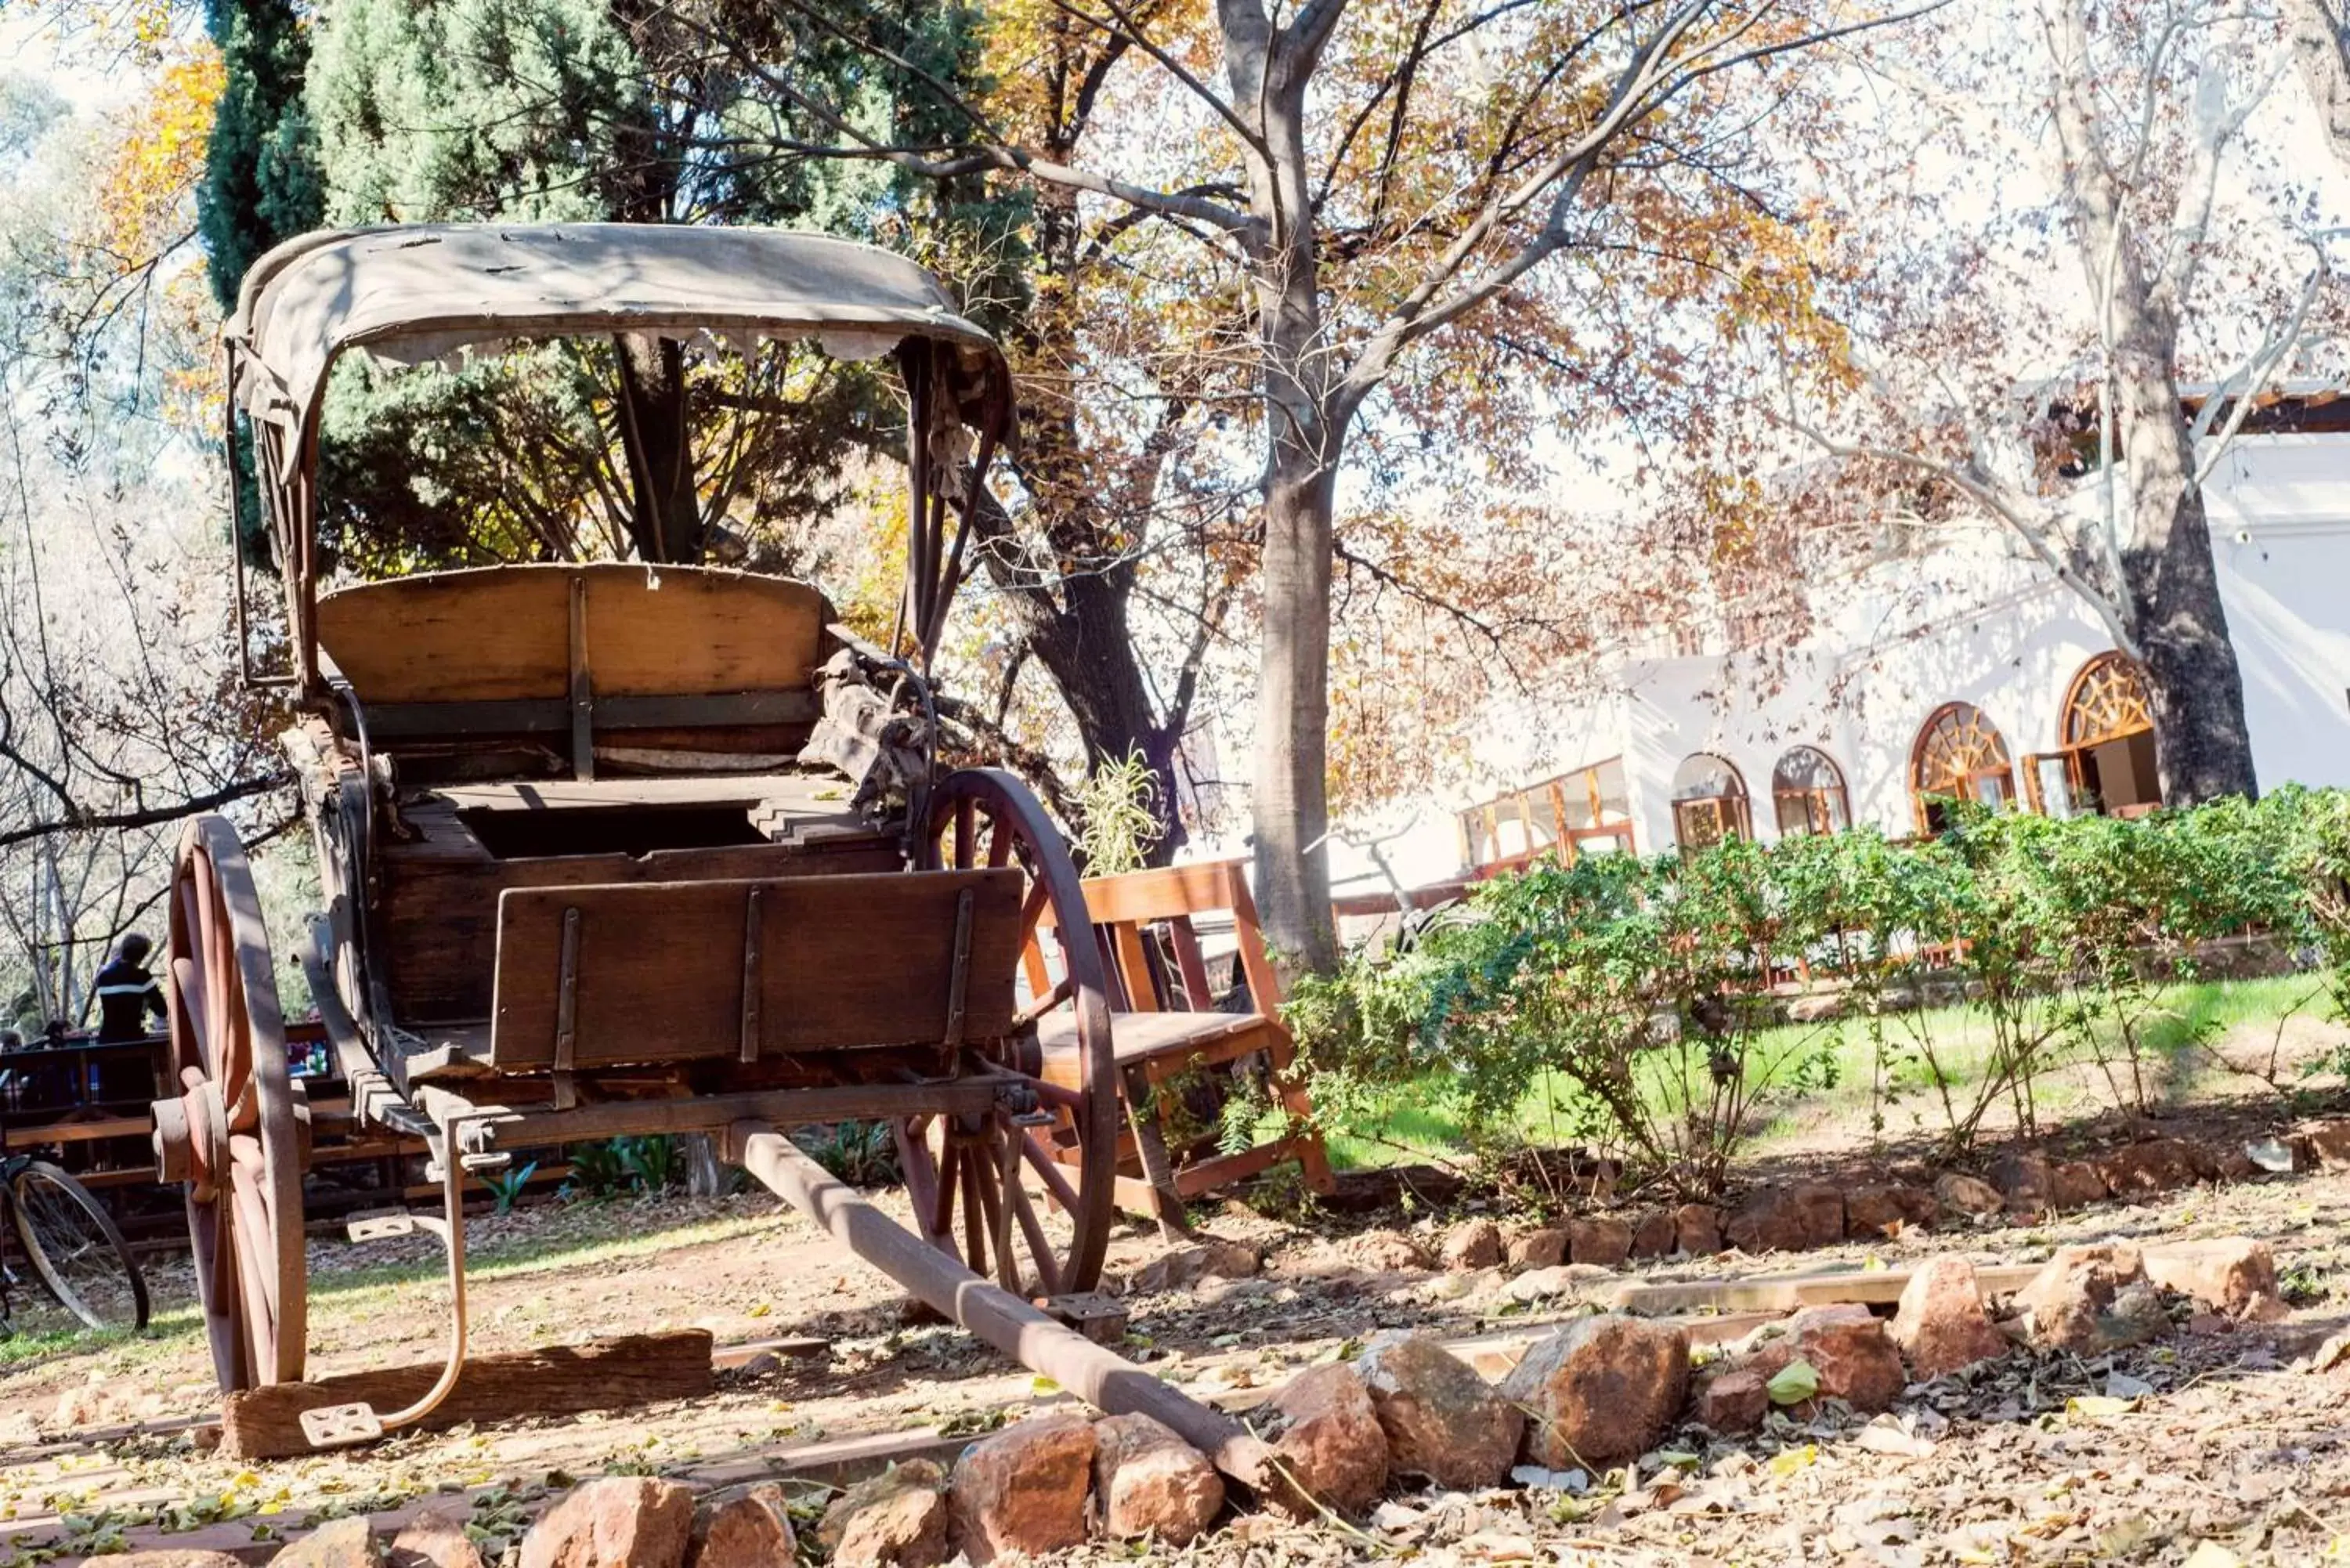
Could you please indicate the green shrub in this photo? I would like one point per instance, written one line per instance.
(1636, 990)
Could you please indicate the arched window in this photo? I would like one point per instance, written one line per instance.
(1959, 756)
(1709, 802)
(1808, 789)
(2106, 760)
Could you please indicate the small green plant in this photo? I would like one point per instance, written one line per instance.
(860, 1154)
(507, 1185)
(596, 1169)
(1119, 817)
(652, 1162)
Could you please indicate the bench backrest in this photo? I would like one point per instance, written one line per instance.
(1171, 896)
(660, 972)
(515, 650)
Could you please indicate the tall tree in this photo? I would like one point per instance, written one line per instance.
(2321, 46)
(1368, 182)
(1998, 380)
(116, 722)
(260, 184)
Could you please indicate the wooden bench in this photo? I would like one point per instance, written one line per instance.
(1169, 1024)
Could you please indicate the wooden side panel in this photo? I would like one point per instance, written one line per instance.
(844, 962)
(502, 633)
(440, 914)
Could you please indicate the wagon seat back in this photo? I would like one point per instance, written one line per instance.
(641, 668)
(789, 967)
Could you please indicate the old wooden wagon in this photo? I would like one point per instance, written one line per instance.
(633, 848)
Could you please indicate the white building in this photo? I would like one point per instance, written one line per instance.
(1967, 670)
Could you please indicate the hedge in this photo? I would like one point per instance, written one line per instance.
(1644, 986)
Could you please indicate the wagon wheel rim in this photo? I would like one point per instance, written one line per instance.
(232, 1136)
(954, 1166)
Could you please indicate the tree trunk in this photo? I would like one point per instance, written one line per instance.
(665, 523)
(2321, 47)
(1304, 430)
(2172, 587)
(1290, 796)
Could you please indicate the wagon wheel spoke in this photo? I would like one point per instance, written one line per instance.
(1060, 1044)
(1032, 1232)
(233, 1133)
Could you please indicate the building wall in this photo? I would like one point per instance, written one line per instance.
(1976, 622)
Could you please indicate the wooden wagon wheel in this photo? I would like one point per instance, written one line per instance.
(978, 1183)
(235, 1134)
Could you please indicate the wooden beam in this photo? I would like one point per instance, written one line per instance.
(607, 1375)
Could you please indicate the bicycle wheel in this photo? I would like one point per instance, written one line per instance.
(75, 1248)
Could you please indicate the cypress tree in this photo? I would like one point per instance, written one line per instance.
(261, 176)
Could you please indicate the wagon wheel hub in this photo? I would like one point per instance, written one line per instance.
(192, 1138)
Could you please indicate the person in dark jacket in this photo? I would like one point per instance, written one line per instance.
(127, 993)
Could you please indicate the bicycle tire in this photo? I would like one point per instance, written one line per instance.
(75, 1248)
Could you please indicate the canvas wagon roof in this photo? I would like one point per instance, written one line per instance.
(419, 292)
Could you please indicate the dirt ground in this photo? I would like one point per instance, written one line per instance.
(2209, 1437)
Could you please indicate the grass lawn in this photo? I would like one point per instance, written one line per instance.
(1822, 1084)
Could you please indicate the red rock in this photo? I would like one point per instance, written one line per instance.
(615, 1521)
(1441, 1419)
(2144, 1169)
(2073, 1290)
(1151, 1482)
(2025, 1178)
(1655, 1234)
(166, 1560)
(436, 1539)
(1599, 1241)
(2328, 1142)
(1733, 1401)
(1601, 1390)
(1023, 1490)
(346, 1543)
(2228, 1273)
(1941, 1324)
(895, 1520)
(1847, 1346)
(1788, 1219)
(2229, 1162)
(1888, 1210)
(750, 1528)
(1214, 1258)
(2076, 1184)
(1386, 1252)
(1329, 1441)
(1698, 1229)
(1961, 1194)
(1544, 1247)
(1474, 1245)
(2267, 1309)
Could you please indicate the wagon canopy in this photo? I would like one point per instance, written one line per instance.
(419, 293)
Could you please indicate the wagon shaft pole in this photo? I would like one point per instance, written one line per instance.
(1107, 1382)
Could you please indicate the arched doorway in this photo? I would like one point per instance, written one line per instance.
(1960, 755)
(2106, 761)
(1709, 802)
(1807, 789)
